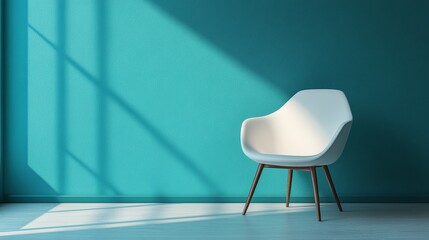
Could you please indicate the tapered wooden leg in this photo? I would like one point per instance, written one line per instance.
(289, 185)
(252, 189)
(331, 185)
(316, 191)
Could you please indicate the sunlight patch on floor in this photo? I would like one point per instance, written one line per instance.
(83, 216)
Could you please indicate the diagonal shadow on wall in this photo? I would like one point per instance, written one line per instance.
(376, 52)
(137, 116)
(15, 104)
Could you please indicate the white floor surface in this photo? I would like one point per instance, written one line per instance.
(211, 221)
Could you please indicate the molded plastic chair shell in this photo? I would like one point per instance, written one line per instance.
(310, 129)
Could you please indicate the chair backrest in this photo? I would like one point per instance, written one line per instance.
(304, 126)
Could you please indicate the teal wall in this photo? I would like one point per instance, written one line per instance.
(139, 100)
(1, 101)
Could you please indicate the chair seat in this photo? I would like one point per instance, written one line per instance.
(283, 160)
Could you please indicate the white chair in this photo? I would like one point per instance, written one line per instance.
(308, 131)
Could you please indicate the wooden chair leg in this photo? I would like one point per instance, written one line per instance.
(331, 185)
(316, 191)
(289, 185)
(252, 189)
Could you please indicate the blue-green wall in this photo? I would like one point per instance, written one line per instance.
(122, 100)
(1, 101)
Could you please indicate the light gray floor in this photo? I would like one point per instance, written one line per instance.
(212, 221)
